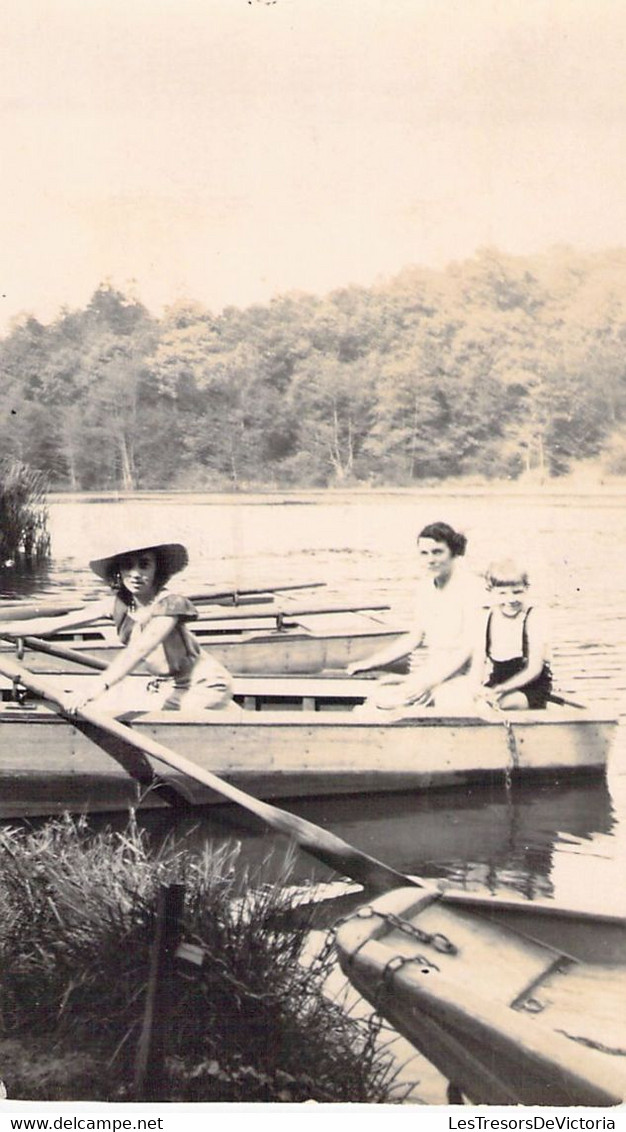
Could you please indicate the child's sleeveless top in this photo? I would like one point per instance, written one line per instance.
(536, 691)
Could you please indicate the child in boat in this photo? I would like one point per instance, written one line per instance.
(510, 663)
(151, 621)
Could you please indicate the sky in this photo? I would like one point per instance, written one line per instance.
(225, 151)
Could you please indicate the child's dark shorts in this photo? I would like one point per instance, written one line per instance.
(537, 691)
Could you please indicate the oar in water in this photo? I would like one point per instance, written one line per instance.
(326, 847)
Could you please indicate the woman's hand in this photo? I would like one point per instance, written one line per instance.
(394, 694)
(78, 700)
(356, 667)
(418, 694)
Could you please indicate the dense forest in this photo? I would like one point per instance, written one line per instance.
(499, 366)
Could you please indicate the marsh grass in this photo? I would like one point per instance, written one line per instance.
(24, 537)
(77, 915)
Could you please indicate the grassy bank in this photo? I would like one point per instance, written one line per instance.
(77, 918)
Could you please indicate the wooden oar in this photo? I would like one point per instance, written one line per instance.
(563, 702)
(237, 596)
(21, 611)
(300, 611)
(127, 747)
(37, 644)
(29, 612)
(332, 851)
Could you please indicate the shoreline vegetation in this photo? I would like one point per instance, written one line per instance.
(24, 536)
(500, 367)
(251, 1023)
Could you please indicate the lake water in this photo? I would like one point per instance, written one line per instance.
(560, 840)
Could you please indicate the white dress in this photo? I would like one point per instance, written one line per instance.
(445, 626)
(445, 619)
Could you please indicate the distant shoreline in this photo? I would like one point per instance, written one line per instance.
(567, 488)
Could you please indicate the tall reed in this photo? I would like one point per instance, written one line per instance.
(24, 536)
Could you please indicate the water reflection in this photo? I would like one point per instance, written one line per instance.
(481, 839)
(27, 581)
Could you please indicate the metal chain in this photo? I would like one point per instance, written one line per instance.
(437, 940)
(398, 962)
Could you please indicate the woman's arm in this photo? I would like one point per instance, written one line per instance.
(396, 651)
(154, 634)
(47, 626)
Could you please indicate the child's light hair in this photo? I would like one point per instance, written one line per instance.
(505, 572)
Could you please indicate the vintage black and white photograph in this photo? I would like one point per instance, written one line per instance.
(312, 556)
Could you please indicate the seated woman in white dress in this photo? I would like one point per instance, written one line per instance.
(440, 642)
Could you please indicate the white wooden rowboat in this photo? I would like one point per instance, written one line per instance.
(259, 640)
(296, 738)
(507, 1016)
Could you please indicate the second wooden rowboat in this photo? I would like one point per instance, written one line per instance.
(255, 641)
(505, 1016)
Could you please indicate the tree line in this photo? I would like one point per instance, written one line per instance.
(498, 366)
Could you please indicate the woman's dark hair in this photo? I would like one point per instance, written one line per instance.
(162, 576)
(442, 532)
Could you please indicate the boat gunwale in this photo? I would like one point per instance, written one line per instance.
(298, 717)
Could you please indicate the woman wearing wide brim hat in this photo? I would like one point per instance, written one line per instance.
(152, 622)
(172, 557)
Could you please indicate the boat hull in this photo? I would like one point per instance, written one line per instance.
(294, 650)
(506, 1018)
(49, 763)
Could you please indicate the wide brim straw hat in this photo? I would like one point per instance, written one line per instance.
(172, 555)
